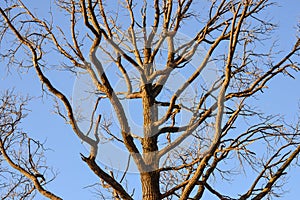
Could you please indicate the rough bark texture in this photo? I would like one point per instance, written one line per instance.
(150, 185)
(150, 175)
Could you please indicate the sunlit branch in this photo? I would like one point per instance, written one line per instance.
(189, 81)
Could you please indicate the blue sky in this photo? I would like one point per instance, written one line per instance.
(281, 97)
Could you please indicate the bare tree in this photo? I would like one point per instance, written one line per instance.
(22, 164)
(228, 60)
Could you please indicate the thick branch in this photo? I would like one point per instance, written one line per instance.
(107, 178)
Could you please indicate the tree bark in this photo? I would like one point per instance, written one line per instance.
(150, 175)
(150, 185)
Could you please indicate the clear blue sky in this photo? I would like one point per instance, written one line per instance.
(42, 123)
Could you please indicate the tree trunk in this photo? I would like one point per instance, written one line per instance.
(150, 175)
(150, 185)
